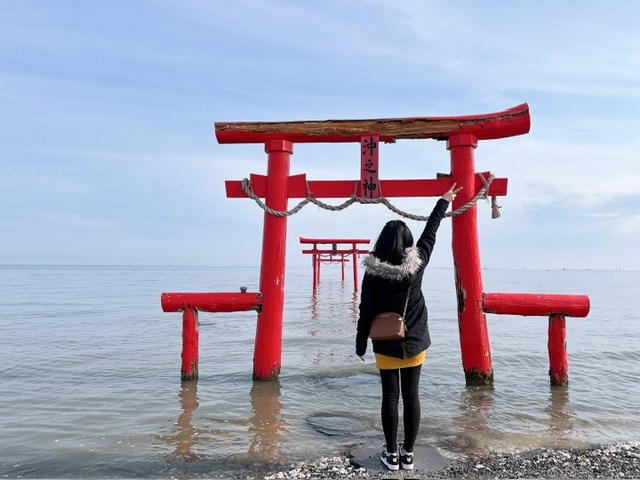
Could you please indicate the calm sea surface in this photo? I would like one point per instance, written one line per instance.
(90, 373)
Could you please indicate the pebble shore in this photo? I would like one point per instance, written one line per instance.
(607, 462)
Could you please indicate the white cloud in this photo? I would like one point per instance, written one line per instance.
(629, 224)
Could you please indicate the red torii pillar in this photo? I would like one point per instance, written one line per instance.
(278, 138)
(474, 337)
(268, 343)
(342, 251)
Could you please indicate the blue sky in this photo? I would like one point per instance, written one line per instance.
(108, 153)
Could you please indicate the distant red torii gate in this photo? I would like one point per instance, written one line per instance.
(461, 134)
(341, 253)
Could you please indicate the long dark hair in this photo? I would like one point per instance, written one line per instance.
(394, 238)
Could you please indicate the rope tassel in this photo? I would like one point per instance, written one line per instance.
(495, 208)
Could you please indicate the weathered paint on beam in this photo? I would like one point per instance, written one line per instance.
(506, 123)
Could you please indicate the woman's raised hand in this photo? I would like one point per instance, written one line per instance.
(450, 194)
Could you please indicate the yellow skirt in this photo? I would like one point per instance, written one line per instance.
(385, 362)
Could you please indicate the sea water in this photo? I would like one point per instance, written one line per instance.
(90, 373)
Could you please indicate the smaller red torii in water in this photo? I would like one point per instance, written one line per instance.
(335, 253)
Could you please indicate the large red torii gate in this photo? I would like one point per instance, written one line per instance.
(461, 134)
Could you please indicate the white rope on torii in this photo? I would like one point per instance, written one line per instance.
(482, 194)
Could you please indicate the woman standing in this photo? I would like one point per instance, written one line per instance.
(393, 275)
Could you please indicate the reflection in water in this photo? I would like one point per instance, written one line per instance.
(185, 433)
(476, 406)
(266, 425)
(561, 420)
(355, 310)
(475, 432)
(353, 296)
(332, 317)
(314, 305)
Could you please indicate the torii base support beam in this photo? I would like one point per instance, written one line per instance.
(557, 307)
(189, 304)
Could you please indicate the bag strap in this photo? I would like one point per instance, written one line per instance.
(406, 302)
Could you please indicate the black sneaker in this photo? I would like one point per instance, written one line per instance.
(406, 458)
(390, 460)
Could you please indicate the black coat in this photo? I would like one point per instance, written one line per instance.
(384, 289)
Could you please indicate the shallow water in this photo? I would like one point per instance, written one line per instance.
(91, 373)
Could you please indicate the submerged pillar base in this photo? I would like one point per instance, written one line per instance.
(266, 376)
(558, 379)
(475, 378)
(191, 374)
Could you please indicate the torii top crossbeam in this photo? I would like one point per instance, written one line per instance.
(488, 126)
(507, 123)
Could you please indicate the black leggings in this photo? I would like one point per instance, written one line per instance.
(407, 381)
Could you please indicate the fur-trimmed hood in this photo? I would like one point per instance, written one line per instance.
(410, 266)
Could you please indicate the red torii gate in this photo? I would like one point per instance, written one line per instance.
(461, 134)
(335, 254)
(189, 304)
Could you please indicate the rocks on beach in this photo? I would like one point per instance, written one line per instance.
(612, 461)
(607, 462)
